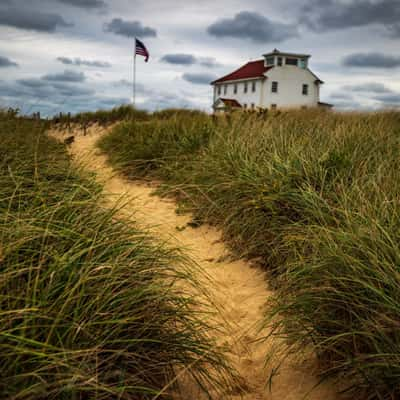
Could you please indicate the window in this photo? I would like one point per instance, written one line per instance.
(270, 61)
(303, 63)
(273, 107)
(252, 106)
(245, 87)
(274, 87)
(225, 88)
(219, 89)
(253, 86)
(305, 89)
(235, 88)
(291, 61)
(245, 105)
(280, 61)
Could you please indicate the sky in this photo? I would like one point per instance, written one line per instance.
(77, 55)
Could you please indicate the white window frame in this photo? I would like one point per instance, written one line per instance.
(268, 59)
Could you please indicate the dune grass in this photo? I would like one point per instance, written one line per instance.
(314, 196)
(102, 117)
(118, 114)
(90, 306)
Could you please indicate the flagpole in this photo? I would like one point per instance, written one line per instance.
(134, 76)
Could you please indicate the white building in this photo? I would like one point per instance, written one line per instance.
(278, 80)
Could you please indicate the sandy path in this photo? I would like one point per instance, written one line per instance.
(239, 289)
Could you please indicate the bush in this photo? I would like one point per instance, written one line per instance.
(90, 305)
(314, 196)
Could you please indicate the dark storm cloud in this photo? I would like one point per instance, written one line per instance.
(341, 96)
(88, 63)
(6, 62)
(40, 87)
(88, 4)
(65, 89)
(179, 59)
(199, 78)
(323, 15)
(368, 88)
(189, 59)
(31, 82)
(371, 60)
(129, 28)
(123, 83)
(32, 20)
(253, 26)
(41, 93)
(390, 98)
(110, 102)
(52, 97)
(165, 100)
(208, 62)
(349, 105)
(66, 76)
(8, 89)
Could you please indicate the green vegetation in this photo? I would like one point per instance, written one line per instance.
(89, 305)
(315, 197)
(118, 114)
(103, 117)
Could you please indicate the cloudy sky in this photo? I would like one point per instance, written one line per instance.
(74, 55)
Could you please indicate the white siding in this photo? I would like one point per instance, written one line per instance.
(290, 84)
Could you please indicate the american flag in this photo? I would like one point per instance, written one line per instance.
(140, 49)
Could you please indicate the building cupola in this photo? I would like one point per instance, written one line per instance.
(278, 59)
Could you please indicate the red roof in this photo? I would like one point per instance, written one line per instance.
(230, 102)
(253, 69)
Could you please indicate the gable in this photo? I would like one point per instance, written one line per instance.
(289, 73)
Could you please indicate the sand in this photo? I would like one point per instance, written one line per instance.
(238, 289)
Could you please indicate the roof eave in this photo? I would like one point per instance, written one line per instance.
(239, 80)
(287, 54)
(224, 100)
(322, 103)
(317, 80)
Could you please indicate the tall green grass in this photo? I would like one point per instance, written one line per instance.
(314, 196)
(121, 113)
(102, 117)
(90, 306)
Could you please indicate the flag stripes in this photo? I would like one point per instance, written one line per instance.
(141, 50)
